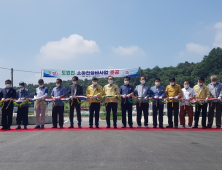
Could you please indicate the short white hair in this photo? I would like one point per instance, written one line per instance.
(213, 76)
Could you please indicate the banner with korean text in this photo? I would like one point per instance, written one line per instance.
(100, 73)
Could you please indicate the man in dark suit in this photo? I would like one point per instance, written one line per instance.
(75, 90)
(7, 95)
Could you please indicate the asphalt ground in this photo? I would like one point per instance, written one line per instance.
(99, 150)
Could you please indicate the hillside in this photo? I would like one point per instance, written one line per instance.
(211, 64)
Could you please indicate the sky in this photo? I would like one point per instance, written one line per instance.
(103, 34)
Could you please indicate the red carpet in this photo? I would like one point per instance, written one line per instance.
(30, 129)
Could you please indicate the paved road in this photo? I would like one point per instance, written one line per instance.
(99, 150)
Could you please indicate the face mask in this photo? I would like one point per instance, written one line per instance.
(8, 85)
(21, 87)
(110, 81)
(142, 81)
(213, 82)
(172, 83)
(74, 82)
(41, 85)
(157, 83)
(94, 83)
(200, 84)
(57, 85)
(126, 82)
(186, 86)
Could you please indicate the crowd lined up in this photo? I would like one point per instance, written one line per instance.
(177, 99)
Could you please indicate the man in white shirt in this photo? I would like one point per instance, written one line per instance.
(188, 94)
(40, 94)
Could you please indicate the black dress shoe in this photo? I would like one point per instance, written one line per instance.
(154, 127)
(138, 126)
(70, 127)
(3, 128)
(176, 127)
(169, 126)
(123, 126)
(19, 127)
(37, 127)
(146, 127)
(61, 127)
(218, 127)
(25, 127)
(90, 126)
(204, 127)
(131, 126)
(54, 127)
(79, 126)
(42, 126)
(107, 126)
(195, 127)
(161, 127)
(97, 127)
(8, 128)
(208, 126)
(115, 127)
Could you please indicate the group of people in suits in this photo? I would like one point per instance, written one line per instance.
(112, 92)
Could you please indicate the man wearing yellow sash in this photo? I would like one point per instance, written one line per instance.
(94, 92)
(202, 94)
(173, 92)
(111, 92)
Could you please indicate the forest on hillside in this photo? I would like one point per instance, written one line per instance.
(210, 65)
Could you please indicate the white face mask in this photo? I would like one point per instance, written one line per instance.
(110, 81)
(21, 87)
(74, 82)
(142, 81)
(94, 83)
(57, 85)
(8, 85)
(126, 82)
(172, 83)
(213, 82)
(157, 83)
(41, 85)
(186, 86)
(200, 84)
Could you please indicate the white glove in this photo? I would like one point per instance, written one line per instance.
(187, 99)
(58, 97)
(206, 99)
(70, 97)
(145, 98)
(7, 99)
(176, 97)
(128, 95)
(156, 97)
(170, 97)
(23, 98)
(160, 97)
(95, 96)
(123, 96)
(115, 95)
(3, 99)
(219, 98)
